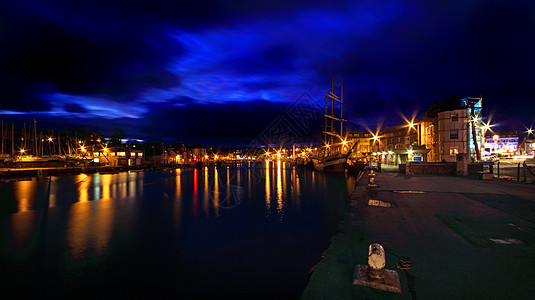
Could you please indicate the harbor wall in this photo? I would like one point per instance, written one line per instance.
(437, 168)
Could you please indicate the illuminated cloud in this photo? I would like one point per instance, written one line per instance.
(129, 60)
(91, 107)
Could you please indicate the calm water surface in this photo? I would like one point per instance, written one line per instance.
(252, 231)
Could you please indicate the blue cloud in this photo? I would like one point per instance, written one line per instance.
(128, 60)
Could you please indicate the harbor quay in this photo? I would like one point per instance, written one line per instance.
(446, 237)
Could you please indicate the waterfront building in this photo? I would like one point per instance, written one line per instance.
(447, 129)
(119, 156)
(527, 147)
(400, 144)
(392, 146)
(450, 127)
(363, 147)
(502, 145)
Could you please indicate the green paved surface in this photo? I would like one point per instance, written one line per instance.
(466, 238)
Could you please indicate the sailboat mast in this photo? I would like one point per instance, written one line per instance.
(12, 139)
(35, 137)
(342, 110)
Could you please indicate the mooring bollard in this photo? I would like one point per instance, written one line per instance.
(375, 275)
(376, 261)
(371, 178)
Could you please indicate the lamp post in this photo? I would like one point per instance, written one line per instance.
(486, 128)
(416, 127)
(376, 139)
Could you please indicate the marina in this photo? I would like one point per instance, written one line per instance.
(267, 150)
(175, 230)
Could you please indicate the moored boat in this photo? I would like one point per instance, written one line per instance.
(335, 150)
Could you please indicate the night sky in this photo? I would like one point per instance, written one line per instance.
(220, 73)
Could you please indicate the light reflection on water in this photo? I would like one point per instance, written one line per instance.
(267, 206)
(25, 192)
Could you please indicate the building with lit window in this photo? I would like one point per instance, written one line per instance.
(449, 128)
(501, 145)
(362, 149)
(120, 156)
(527, 147)
(392, 146)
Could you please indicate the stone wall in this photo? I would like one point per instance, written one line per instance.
(438, 168)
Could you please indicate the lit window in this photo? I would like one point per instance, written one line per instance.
(454, 150)
(121, 153)
(140, 154)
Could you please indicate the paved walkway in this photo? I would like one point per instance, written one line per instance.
(466, 238)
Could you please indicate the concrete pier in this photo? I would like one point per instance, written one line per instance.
(448, 237)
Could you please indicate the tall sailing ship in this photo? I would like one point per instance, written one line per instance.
(335, 150)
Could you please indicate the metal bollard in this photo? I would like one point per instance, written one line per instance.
(371, 179)
(374, 274)
(376, 261)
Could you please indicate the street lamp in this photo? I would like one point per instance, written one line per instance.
(414, 126)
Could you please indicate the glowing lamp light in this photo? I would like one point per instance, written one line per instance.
(410, 151)
(82, 148)
(22, 151)
(411, 124)
(375, 137)
(327, 146)
(50, 139)
(344, 143)
(530, 131)
(495, 137)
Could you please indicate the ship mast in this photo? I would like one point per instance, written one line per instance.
(331, 101)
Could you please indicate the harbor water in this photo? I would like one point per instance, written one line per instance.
(250, 231)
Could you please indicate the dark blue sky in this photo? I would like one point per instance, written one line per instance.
(220, 73)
